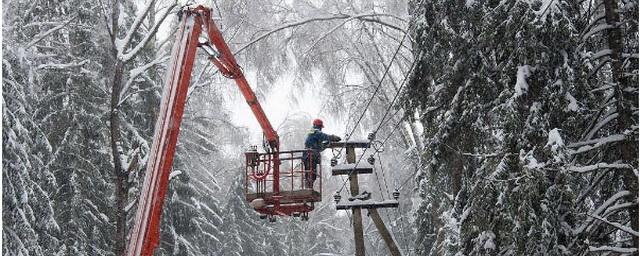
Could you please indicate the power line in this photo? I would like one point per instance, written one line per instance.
(395, 127)
(385, 114)
(395, 97)
(405, 182)
(379, 187)
(383, 142)
(386, 71)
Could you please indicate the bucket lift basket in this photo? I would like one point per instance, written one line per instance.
(277, 184)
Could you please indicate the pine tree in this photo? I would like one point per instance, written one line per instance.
(503, 99)
(29, 226)
(62, 75)
(605, 153)
(244, 233)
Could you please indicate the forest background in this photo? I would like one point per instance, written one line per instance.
(508, 127)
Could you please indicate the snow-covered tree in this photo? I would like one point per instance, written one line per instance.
(60, 61)
(502, 93)
(604, 154)
(244, 233)
(29, 225)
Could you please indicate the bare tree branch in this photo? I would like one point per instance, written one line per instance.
(127, 56)
(122, 44)
(38, 38)
(299, 23)
(616, 225)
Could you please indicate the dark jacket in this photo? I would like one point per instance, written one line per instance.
(315, 139)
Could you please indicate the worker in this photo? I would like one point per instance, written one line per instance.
(316, 142)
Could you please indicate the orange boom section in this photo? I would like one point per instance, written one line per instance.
(262, 175)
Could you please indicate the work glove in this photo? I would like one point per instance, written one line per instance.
(335, 138)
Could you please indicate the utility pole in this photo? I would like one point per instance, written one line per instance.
(358, 232)
(357, 202)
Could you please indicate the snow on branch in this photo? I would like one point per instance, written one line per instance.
(605, 205)
(174, 174)
(132, 160)
(59, 149)
(144, 144)
(477, 155)
(612, 249)
(122, 44)
(120, 157)
(382, 23)
(302, 22)
(315, 42)
(596, 20)
(128, 207)
(134, 73)
(506, 180)
(618, 207)
(554, 140)
(129, 55)
(601, 124)
(522, 87)
(593, 167)
(487, 155)
(596, 29)
(330, 226)
(543, 12)
(39, 37)
(595, 143)
(62, 66)
(616, 225)
(601, 54)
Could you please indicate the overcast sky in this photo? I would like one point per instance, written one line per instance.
(279, 103)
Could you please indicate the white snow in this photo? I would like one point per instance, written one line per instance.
(593, 167)
(530, 161)
(41, 36)
(134, 73)
(130, 205)
(489, 244)
(174, 173)
(465, 214)
(62, 65)
(584, 145)
(617, 225)
(410, 149)
(554, 140)
(573, 103)
(103, 217)
(487, 237)
(521, 80)
(601, 54)
(612, 115)
(258, 203)
(546, 8)
(419, 128)
(470, 3)
(126, 56)
(601, 209)
(142, 13)
(612, 249)
(595, 30)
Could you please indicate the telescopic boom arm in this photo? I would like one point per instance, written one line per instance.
(193, 21)
(225, 61)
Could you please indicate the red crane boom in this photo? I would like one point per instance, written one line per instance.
(193, 21)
